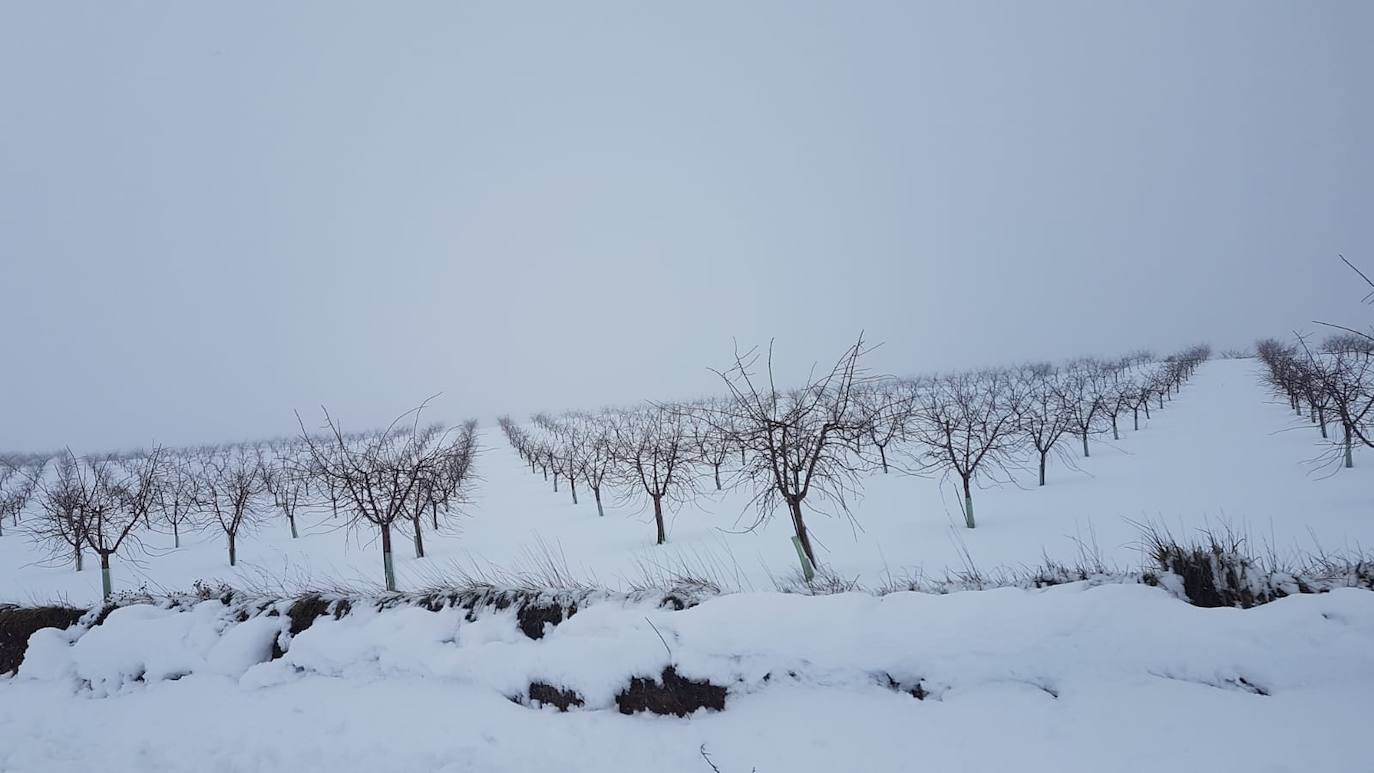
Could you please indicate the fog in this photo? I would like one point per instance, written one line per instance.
(213, 215)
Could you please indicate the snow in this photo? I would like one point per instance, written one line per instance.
(1222, 453)
(1113, 677)
(145, 643)
(1081, 677)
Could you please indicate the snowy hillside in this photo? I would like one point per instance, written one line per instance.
(1224, 453)
(1078, 677)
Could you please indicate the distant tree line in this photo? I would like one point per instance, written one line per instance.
(407, 478)
(1331, 383)
(805, 449)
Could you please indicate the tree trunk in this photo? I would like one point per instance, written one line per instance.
(968, 505)
(555, 482)
(292, 520)
(658, 519)
(419, 539)
(1085, 444)
(176, 535)
(388, 569)
(1043, 454)
(105, 575)
(1135, 416)
(717, 470)
(799, 526)
(596, 492)
(1146, 406)
(1321, 420)
(1349, 458)
(882, 455)
(1115, 435)
(572, 486)
(233, 550)
(80, 559)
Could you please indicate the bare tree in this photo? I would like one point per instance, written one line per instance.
(567, 450)
(379, 472)
(178, 496)
(441, 485)
(797, 444)
(450, 489)
(99, 502)
(18, 482)
(1041, 415)
(600, 467)
(1083, 392)
(287, 481)
(1118, 395)
(967, 426)
(62, 528)
(1347, 378)
(711, 444)
(7, 474)
(1140, 400)
(887, 405)
(652, 445)
(519, 439)
(232, 480)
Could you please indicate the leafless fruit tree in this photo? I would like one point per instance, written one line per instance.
(99, 502)
(1083, 391)
(19, 479)
(380, 472)
(1042, 417)
(600, 465)
(232, 482)
(62, 528)
(711, 444)
(652, 446)
(287, 479)
(966, 424)
(797, 443)
(887, 405)
(178, 495)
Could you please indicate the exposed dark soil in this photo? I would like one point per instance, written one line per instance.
(17, 624)
(671, 694)
(543, 694)
(534, 615)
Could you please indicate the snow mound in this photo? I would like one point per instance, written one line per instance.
(144, 643)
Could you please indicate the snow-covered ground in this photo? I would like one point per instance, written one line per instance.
(1222, 453)
(1071, 678)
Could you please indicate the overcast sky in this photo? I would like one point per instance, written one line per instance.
(213, 214)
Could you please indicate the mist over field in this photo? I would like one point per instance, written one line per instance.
(213, 216)
(776, 386)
